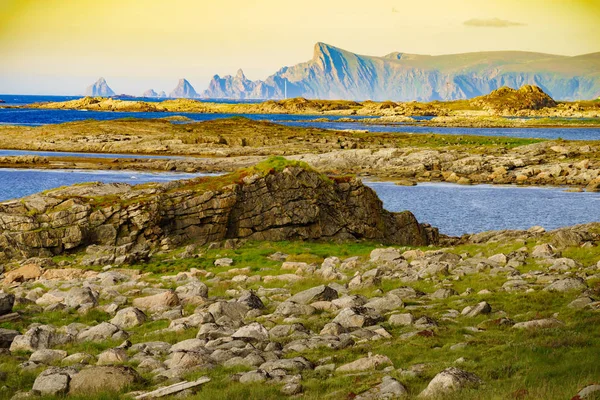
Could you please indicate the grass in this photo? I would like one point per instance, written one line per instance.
(548, 364)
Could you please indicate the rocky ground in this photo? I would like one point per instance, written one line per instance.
(510, 314)
(228, 144)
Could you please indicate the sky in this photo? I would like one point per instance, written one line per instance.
(62, 46)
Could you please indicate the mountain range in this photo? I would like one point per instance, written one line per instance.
(99, 88)
(334, 73)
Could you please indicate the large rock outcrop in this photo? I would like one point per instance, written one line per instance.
(184, 89)
(275, 200)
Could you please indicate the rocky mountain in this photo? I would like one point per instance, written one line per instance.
(334, 73)
(183, 90)
(100, 88)
(273, 201)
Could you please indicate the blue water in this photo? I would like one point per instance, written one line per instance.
(454, 209)
(15, 183)
(12, 153)
(458, 209)
(37, 117)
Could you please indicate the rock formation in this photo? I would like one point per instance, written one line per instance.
(508, 101)
(100, 88)
(275, 200)
(183, 90)
(334, 73)
(150, 93)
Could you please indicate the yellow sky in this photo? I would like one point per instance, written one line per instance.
(61, 46)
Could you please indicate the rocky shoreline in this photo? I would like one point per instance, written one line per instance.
(225, 145)
(528, 101)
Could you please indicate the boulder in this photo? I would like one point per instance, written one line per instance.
(233, 310)
(47, 356)
(388, 389)
(112, 357)
(318, 293)
(39, 337)
(385, 256)
(7, 300)
(128, 318)
(103, 379)
(102, 331)
(369, 363)
(6, 337)
(251, 300)
(53, 381)
(567, 285)
(357, 317)
(156, 303)
(544, 323)
(25, 273)
(449, 380)
(79, 296)
(480, 308)
(252, 332)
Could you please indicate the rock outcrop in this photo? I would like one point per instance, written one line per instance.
(508, 101)
(184, 89)
(275, 200)
(100, 88)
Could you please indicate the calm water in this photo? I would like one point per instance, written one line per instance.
(15, 183)
(12, 153)
(36, 117)
(458, 209)
(454, 209)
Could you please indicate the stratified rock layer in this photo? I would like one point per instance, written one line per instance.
(125, 222)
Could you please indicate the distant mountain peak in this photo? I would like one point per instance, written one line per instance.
(240, 74)
(100, 88)
(335, 73)
(184, 89)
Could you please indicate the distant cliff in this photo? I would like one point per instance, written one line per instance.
(100, 88)
(334, 73)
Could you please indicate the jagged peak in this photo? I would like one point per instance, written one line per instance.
(101, 80)
(324, 49)
(240, 74)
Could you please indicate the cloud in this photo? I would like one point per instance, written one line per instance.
(491, 23)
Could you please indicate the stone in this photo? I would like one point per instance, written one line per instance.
(47, 356)
(78, 358)
(97, 333)
(443, 293)
(232, 310)
(39, 337)
(589, 392)
(544, 323)
(156, 303)
(174, 389)
(112, 357)
(383, 256)
(566, 285)
(254, 376)
(357, 317)
(291, 389)
(223, 262)
(384, 304)
(480, 308)
(318, 293)
(6, 337)
(7, 301)
(401, 319)
(544, 251)
(251, 300)
(192, 289)
(450, 380)
(25, 273)
(388, 389)
(96, 379)
(53, 381)
(372, 362)
(128, 318)
(252, 332)
(76, 297)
